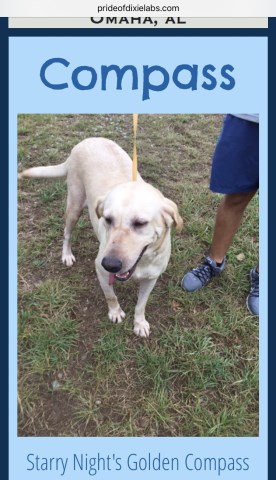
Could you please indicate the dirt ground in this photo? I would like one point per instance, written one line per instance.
(80, 375)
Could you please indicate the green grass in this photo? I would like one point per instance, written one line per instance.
(80, 375)
(45, 326)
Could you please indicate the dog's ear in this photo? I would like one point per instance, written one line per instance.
(171, 215)
(99, 206)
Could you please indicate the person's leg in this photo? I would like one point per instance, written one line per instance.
(235, 169)
(228, 218)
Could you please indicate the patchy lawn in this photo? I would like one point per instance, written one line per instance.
(80, 375)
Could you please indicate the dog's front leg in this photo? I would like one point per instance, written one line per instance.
(141, 326)
(115, 313)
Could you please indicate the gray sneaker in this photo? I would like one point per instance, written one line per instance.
(201, 275)
(252, 300)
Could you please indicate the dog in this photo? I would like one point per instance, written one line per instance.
(131, 219)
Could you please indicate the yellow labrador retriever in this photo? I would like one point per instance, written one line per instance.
(131, 219)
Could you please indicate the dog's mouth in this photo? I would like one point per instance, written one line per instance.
(123, 277)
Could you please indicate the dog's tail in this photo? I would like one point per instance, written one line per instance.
(52, 171)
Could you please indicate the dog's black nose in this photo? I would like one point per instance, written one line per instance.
(112, 264)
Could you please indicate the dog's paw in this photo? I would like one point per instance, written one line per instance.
(142, 328)
(116, 315)
(68, 259)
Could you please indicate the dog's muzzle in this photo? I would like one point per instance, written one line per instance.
(114, 265)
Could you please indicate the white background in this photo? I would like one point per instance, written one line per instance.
(88, 8)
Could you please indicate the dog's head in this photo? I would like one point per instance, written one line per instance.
(136, 219)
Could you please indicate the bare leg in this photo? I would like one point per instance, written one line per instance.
(228, 219)
(141, 326)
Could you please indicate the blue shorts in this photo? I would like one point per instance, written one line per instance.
(235, 166)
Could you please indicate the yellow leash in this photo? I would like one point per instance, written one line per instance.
(134, 159)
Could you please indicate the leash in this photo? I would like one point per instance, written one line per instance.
(134, 159)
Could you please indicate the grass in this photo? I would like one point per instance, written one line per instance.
(80, 375)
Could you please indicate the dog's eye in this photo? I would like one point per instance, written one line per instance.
(139, 223)
(108, 220)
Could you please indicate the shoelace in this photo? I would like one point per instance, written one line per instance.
(204, 272)
(254, 292)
